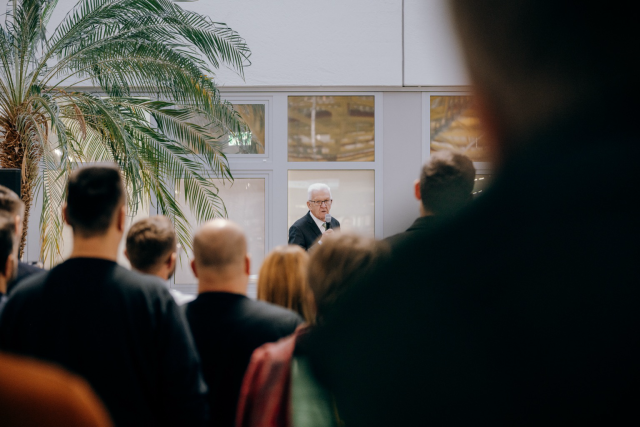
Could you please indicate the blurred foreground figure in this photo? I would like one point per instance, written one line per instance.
(118, 329)
(523, 310)
(279, 389)
(34, 394)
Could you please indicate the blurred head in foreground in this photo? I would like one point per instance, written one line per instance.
(336, 264)
(8, 256)
(95, 201)
(535, 63)
(283, 280)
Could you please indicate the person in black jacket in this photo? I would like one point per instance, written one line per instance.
(523, 309)
(305, 231)
(118, 329)
(13, 209)
(445, 186)
(228, 326)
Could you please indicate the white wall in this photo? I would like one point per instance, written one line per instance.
(432, 55)
(336, 42)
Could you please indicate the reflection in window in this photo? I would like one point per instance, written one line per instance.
(252, 142)
(246, 206)
(331, 128)
(455, 126)
(352, 192)
(481, 183)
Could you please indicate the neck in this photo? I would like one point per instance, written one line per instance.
(104, 246)
(424, 211)
(236, 285)
(3, 286)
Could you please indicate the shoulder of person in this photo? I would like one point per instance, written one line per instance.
(274, 313)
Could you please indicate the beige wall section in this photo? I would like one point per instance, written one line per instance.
(402, 159)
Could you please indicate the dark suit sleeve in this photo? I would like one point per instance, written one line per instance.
(335, 224)
(297, 238)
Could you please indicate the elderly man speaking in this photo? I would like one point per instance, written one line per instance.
(317, 221)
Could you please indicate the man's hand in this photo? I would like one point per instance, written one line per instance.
(329, 231)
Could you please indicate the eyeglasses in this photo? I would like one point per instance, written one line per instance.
(320, 202)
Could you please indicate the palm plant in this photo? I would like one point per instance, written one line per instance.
(151, 61)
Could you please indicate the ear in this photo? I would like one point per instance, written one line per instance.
(308, 205)
(7, 268)
(18, 224)
(126, 254)
(122, 214)
(247, 264)
(193, 268)
(171, 260)
(65, 216)
(416, 189)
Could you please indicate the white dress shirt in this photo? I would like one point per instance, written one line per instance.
(319, 223)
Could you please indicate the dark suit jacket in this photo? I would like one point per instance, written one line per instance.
(522, 310)
(24, 270)
(304, 231)
(423, 224)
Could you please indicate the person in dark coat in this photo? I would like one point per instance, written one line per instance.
(228, 326)
(12, 208)
(523, 309)
(118, 329)
(445, 186)
(308, 229)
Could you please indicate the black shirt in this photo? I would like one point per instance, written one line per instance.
(118, 329)
(227, 328)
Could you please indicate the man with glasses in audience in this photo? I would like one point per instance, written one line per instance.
(305, 231)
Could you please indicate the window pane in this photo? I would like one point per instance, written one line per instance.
(245, 206)
(455, 126)
(481, 183)
(352, 192)
(331, 128)
(252, 142)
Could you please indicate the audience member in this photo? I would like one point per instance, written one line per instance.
(7, 256)
(151, 248)
(309, 229)
(34, 394)
(270, 386)
(118, 329)
(227, 326)
(283, 280)
(445, 186)
(523, 310)
(13, 208)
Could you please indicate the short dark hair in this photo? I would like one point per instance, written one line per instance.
(7, 239)
(94, 194)
(10, 204)
(446, 182)
(149, 241)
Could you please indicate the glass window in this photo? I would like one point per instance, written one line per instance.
(455, 126)
(331, 128)
(252, 142)
(246, 206)
(352, 192)
(481, 183)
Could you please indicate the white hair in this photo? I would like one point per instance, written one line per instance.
(316, 187)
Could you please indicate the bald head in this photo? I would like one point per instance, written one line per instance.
(220, 245)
